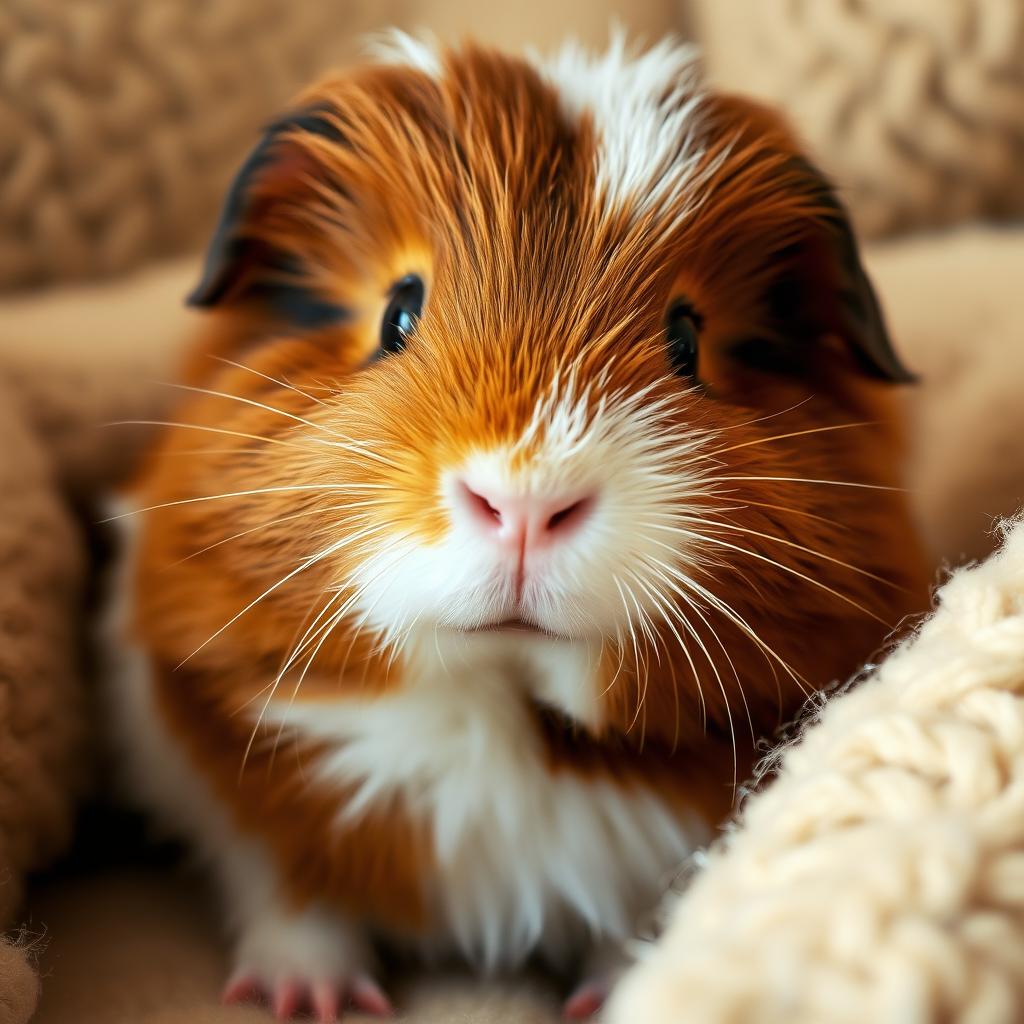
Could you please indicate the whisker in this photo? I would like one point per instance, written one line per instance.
(350, 445)
(266, 376)
(334, 619)
(771, 561)
(769, 416)
(788, 543)
(621, 647)
(343, 610)
(362, 588)
(332, 623)
(302, 567)
(401, 640)
(208, 429)
(792, 511)
(770, 655)
(815, 553)
(794, 433)
(251, 402)
(730, 613)
(376, 456)
(636, 652)
(721, 687)
(807, 480)
(795, 572)
(291, 387)
(687, 626)
(275, 522)
(277, 681)
(739, 682)
(241, 494)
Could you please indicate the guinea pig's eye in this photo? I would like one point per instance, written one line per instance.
(682, 328)
(404, 307)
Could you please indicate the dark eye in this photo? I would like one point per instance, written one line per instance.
(682, 327)
(404, 308)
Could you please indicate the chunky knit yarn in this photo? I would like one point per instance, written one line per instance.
(880, 877)
(916, 107)
(122, 120)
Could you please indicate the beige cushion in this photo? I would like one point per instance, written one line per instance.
(955, 303)
(143, 947)
(916, 108)
(121, 121)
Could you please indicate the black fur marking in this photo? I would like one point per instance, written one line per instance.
(227, 251)
(768, 355)
(863, 323)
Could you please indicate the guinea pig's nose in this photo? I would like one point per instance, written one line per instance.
(525, 522)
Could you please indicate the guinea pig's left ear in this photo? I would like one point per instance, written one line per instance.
(247, 259)
(855, 313)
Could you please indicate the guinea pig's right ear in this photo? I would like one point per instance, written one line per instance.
(245, 261)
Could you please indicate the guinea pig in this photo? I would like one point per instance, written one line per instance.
(539, 456)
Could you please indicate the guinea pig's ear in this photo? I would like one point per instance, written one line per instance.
(851, 309)
(243, 261)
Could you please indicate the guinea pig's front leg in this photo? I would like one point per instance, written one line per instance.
(309, 959)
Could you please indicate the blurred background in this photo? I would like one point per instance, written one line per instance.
(121, 120)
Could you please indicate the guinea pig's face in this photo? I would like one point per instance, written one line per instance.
(571, 346)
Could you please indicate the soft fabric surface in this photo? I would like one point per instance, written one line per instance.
(916, 108)
(76, 358)
(66, 368)
(42, 721)
(956, 308)
(19, 984)
(880, 877)
(143, 947)
(121, 121)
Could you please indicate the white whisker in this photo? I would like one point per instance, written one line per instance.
(241, 494)
(794, 433)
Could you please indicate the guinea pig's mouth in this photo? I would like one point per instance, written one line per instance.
(513, 626)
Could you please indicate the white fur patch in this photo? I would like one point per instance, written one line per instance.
(646, 108)
(527, 858)
(397, 47)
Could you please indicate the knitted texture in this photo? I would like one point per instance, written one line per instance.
(122, 120)
(19, 986)
(69, 364)
(42, 720)
(881, 876)
(916, 107)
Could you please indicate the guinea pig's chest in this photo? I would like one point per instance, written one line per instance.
(527, 854)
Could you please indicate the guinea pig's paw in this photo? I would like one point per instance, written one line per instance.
(323, 998)
(309, 963)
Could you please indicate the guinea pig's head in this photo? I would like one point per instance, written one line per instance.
(578, 346)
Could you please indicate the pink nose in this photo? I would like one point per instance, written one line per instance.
(526, 523)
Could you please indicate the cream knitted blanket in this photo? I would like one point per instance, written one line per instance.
(881, 876)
